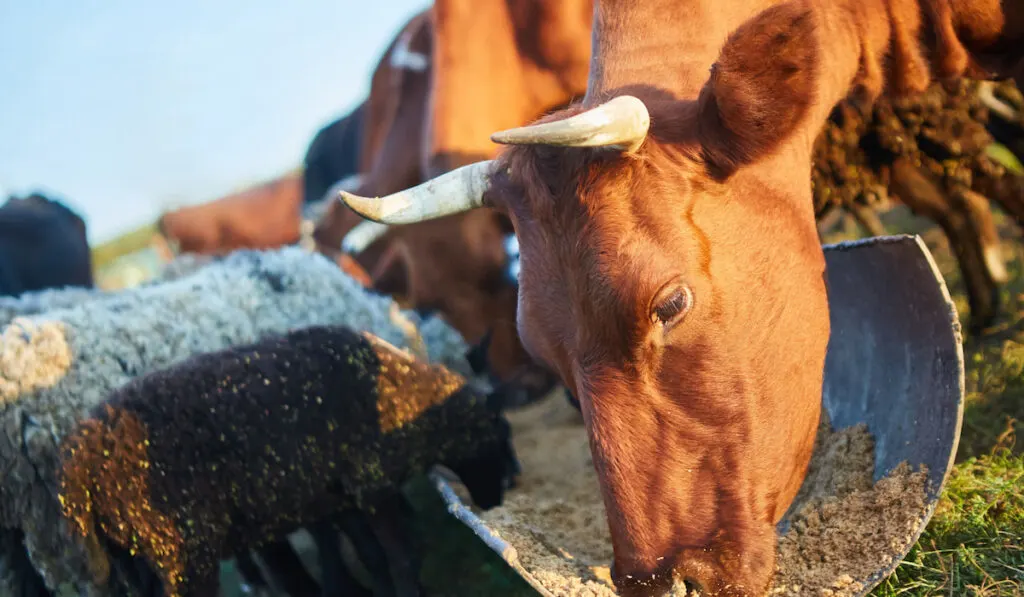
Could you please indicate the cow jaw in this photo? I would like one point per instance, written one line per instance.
(677, 501)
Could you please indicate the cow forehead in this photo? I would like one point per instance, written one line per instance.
(607, 268)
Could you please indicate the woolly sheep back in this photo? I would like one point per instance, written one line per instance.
(287, 430)
(117, 336)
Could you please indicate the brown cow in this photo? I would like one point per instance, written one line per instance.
(388, 155)
(671, 268)
(537, 59)
(265, 216)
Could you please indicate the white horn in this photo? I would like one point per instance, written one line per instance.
(993, 103)
(621, 122)
(453, 192)
(361, 236)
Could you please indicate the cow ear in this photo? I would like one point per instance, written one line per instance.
(760, 88)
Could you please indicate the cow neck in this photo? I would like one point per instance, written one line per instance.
(669, 45)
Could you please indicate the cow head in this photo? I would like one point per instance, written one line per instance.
(672, 275)
(458, 266)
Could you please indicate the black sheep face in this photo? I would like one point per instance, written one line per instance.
(488, 475)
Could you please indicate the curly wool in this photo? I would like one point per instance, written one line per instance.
(32, 303)
(52, 299)
(245, 296)
(288, 430)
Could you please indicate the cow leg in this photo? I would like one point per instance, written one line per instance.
(828, 220)
(971, 239)
(337, 580)
(868, 220)
(1007, 192)
(980, 216)
(286, 569)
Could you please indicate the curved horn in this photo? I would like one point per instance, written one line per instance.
(453, 192)
(361, 236)
(993, 103)
(620, 122)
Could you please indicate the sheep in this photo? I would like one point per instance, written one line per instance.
(56, 365)
(39, 301)
(50, 299)
(194, 463)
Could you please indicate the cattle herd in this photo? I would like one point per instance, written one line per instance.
(622, 198)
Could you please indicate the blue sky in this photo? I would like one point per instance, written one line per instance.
(124, 107)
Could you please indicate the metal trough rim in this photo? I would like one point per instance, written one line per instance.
(510, 555)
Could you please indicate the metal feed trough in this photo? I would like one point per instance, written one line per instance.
(895, 362)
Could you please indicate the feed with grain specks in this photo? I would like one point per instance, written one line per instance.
(843, 526)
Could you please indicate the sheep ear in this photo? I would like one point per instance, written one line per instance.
(751, 104)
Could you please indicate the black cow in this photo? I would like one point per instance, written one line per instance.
(333, 154)
(43, 244)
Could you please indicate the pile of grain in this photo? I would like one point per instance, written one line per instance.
(841, 527)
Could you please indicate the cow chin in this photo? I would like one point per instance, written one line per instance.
(679, 487)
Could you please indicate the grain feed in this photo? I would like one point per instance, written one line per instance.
(842, 526)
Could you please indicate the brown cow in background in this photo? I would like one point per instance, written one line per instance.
(265, 216)
(424, 121)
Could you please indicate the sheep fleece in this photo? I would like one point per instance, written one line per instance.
(118, 336)
(188, 465)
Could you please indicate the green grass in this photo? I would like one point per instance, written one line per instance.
(974, 544)
(129, 242)
(1006, 157)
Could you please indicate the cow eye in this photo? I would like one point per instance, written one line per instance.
(672, 305)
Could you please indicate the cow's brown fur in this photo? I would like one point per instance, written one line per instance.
(420, 124)
(537, 58)
(392, 134)
(266, 216)
(701, 431)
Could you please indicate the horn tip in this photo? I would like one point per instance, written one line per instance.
(361, 205)
(501, 138)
